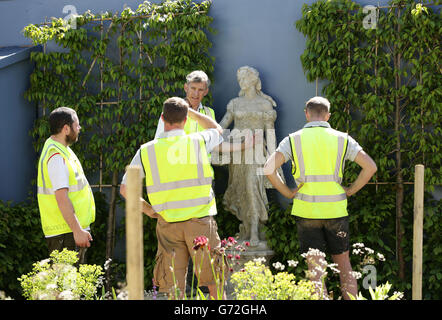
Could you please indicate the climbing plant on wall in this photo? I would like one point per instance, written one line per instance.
(116, 70)
(382, 76)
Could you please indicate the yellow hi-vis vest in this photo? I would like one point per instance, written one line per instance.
(178, 177)
(79, 191)
(318, 154)
(192, 126)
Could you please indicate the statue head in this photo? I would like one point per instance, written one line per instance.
(248, 77)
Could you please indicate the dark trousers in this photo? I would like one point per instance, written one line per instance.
(67, 241)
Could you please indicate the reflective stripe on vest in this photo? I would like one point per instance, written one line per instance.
(328, 198)
(183, 198)
(78, 187)
(158, 186)
(182, 204)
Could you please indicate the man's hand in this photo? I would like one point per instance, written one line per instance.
(82, 238)
(273, 163)
(295, 191)
(346, 189)
(148, 210)
(204, 121)
(368, 170)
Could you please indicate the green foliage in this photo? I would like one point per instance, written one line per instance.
(256, 282)
(57, 278)
(21, 243)
(379, 293)
(116, 70)
(384, 87)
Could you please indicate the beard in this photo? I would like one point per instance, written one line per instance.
(71, 138)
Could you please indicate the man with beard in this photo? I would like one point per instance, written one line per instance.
(65, 199)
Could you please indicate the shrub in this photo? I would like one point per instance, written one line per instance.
(256, 282)
(57, 278)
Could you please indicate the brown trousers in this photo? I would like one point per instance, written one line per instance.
(175, 247)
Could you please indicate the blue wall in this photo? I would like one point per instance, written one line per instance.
(18, 160)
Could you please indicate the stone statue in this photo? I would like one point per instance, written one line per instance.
(251, 112)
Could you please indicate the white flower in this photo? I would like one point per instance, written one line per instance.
(292, 263)
(43, 295)
(260, 260)
(41, 275)
(334, 267)
(100, 281)
(356, 275)
(358, 245)
(369, 251)
(319, 270)
(43, 262)
(380, 257)
(107, 263)
(66, 295)
(123, 295)
(398, 294)
(313, 252)
(278, 266)
(51, 286)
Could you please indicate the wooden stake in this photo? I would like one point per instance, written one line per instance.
(134, 235)
(418, 231)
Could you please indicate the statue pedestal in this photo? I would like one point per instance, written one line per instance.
(259, 251)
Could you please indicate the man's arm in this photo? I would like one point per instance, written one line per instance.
(249, 141)
(81, 236)
(275, 161)
(145, 207)
(204, 121)
(369, 168)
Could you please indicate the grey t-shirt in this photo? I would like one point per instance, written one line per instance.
(352, 147)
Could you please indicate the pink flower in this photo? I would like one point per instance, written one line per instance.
(247, 244)
(237, 257)
(231, 240)
(199, 242)
(229, 256)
